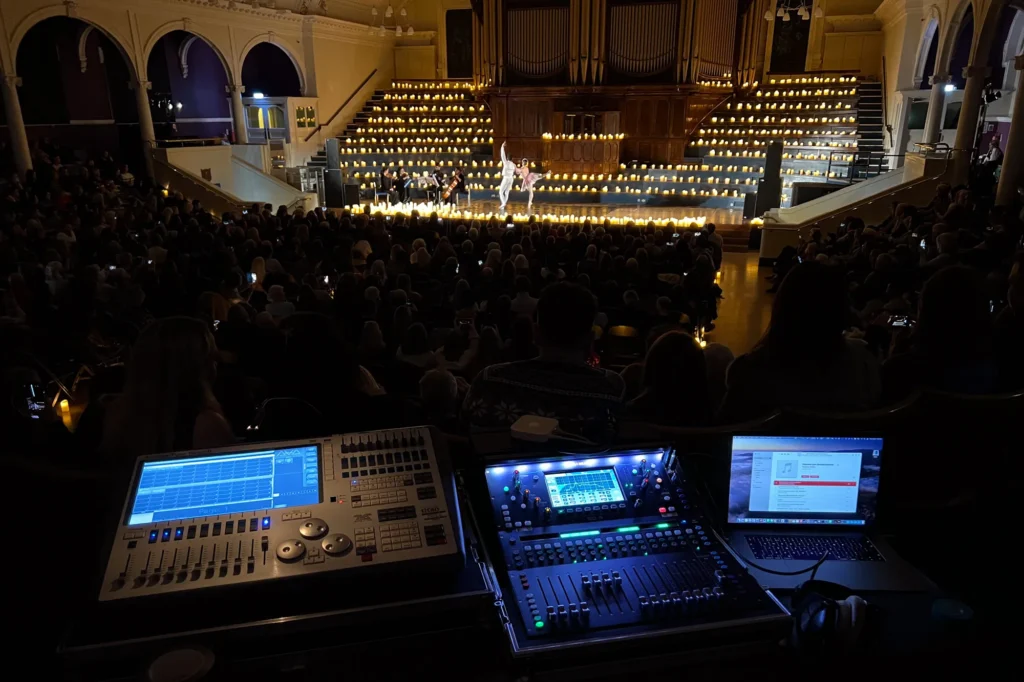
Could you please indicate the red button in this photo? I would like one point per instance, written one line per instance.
(367, 557)
(662, 510)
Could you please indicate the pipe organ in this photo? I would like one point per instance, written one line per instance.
(645, 70)
(599, 42)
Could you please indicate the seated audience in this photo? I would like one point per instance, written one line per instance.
(558, 383)
(804, 360)
(167, 403)
(951, 347)
(675, 384)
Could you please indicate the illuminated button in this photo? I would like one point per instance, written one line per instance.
(165, 536)
(153, 535)
(662, 510)
(266, 522)
(179, 532)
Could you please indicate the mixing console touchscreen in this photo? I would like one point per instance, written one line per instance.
(593, 548)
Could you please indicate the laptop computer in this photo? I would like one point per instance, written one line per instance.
(792, 499)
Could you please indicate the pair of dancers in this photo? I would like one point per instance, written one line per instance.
(509, 171)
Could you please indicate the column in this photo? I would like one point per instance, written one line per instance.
(967, 129)
(1013, 149)
(238, 114)
(936, 109)
(902, 127)
(16, 125)
(146, 130)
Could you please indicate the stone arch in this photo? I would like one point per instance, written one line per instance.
(932, 32)
(83, 41)
(81, 14)
(188, 27)
(284, 47)
(950, 33)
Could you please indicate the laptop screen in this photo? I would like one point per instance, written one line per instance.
(804, 480)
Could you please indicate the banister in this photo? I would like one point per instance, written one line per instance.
(850, 208)
(343, 105)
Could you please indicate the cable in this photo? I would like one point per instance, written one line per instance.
(813, 568)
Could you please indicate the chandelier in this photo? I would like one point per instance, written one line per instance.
(803, 10)
(390, 21)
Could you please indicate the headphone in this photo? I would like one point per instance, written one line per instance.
(828, 618)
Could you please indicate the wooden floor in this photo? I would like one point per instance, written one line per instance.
(744, 313)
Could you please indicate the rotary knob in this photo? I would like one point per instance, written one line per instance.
(291, 550)
(313, 529)
(337, 544)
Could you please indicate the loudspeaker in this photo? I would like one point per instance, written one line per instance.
(749, 205)
(351, 194)
(769, 188)
(809, 191)
(334, 190)
(333, 154)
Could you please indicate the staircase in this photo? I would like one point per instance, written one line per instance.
(870, 160)
(417, 126)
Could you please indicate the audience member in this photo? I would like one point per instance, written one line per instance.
(558, 383)
(675, 384)
(804, 360)
(167, 403)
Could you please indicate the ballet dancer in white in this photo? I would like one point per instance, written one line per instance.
(508, 176)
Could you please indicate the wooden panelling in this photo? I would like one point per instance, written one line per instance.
(581, 156)
(657, 123)
(855, 52)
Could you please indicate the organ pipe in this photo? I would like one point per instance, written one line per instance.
(585, 20)
(692, 40)
(538, 45)
(642, 38)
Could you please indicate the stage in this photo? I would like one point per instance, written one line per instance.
(617, 215)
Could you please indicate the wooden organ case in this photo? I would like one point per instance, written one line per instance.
(584, 85)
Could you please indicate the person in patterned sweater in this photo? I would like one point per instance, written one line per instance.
(559, 383)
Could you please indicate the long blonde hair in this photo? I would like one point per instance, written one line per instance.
(168, 378)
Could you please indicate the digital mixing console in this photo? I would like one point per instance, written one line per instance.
(613, 546)
(358, 502)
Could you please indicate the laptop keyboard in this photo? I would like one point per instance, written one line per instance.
(812, 547)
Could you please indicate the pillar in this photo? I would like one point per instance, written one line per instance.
(936, 109)
(146, 130)
(16, 125)
(238, 114)
(1013, 149)
(902, 127)
(967, 129)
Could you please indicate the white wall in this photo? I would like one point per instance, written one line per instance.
(250, 184)
(233, 175)
(257, 155)
(217, 160)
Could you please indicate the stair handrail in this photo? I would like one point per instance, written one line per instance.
(850, 208)
(885, 121)
(343, 105)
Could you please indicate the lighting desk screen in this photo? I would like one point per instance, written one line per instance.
(226, 484)
(577, 488)
(804, 480)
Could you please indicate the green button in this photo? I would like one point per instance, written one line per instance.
(539, 624)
